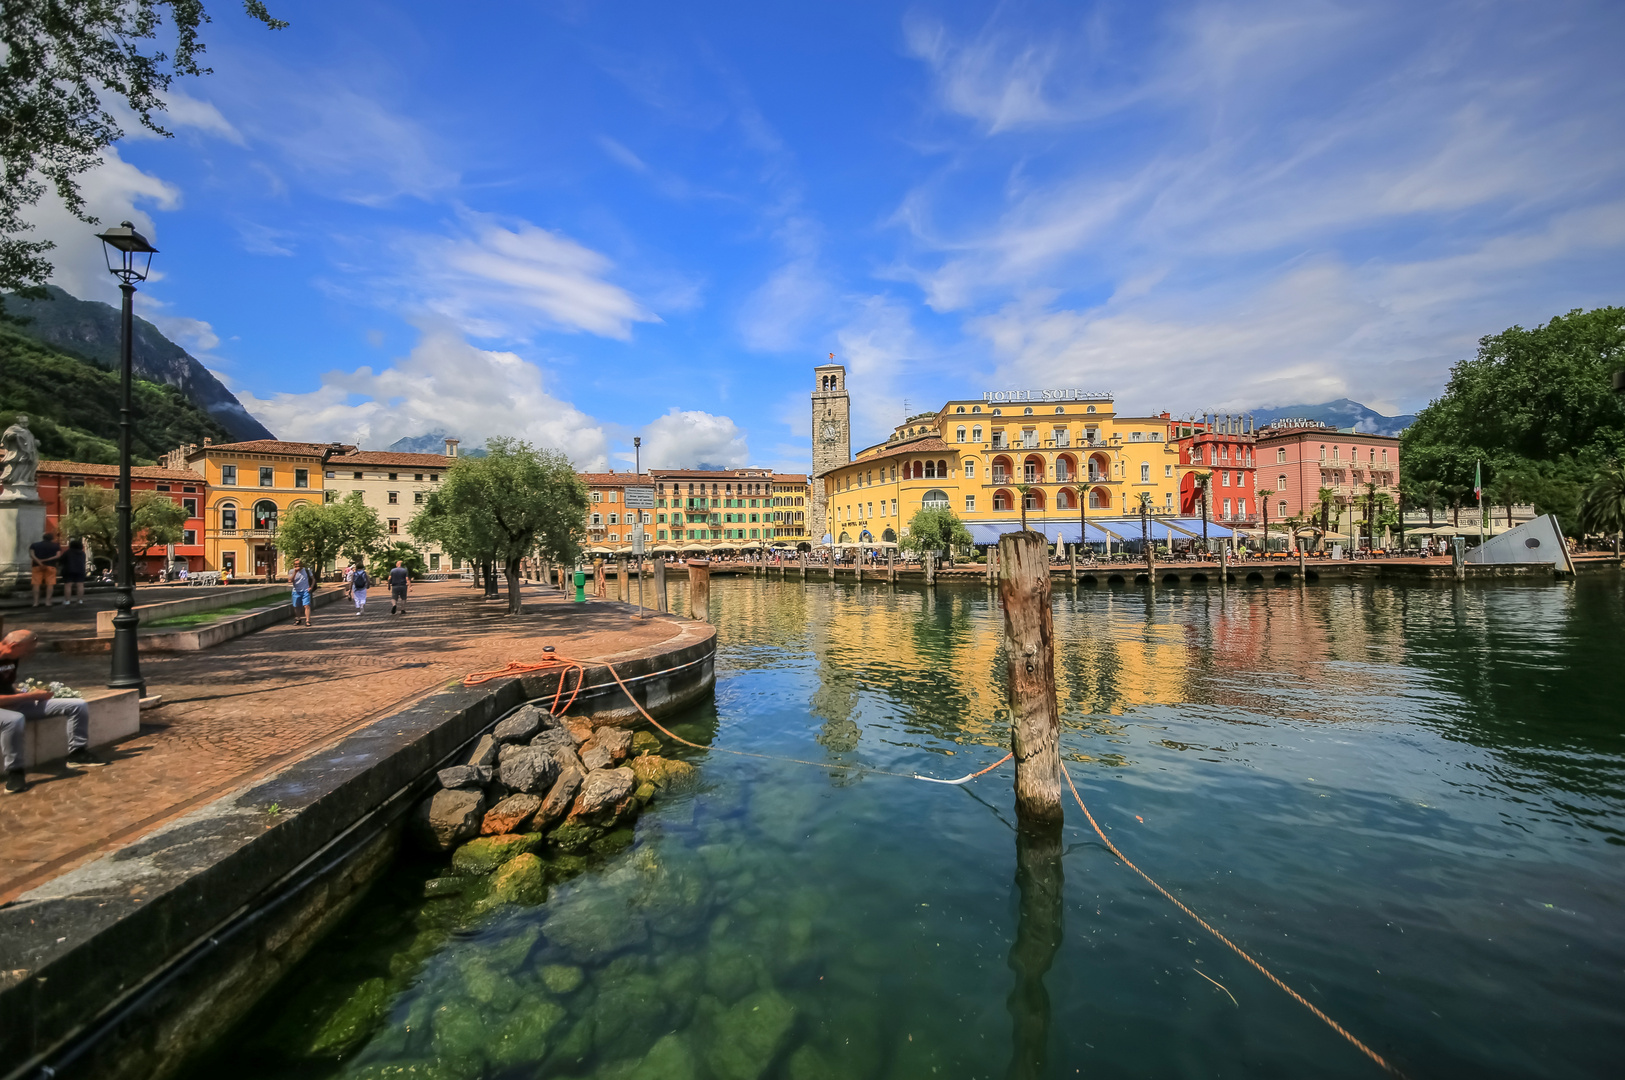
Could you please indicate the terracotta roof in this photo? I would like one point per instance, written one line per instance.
(273, 446)
(789, 478)
(386, 457)
(139, 472)
(747, 473)
(931, 444)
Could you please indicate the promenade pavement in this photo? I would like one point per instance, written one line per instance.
(242, 710)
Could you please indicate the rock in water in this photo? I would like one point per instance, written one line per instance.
(561, 796)
(671, 1058)
(520, 726)
(520, 880)
(524, 1037)
(663, 772)
(352, 1022)
(618, 741)
(447, 818)
(489, 852)
(562, 978)
(464, 776)
(645, 743)
(749, 1036)
(511, 815)
(601, 792)
(529, 769)
(485, 753)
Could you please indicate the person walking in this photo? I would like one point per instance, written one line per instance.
(302, 581)
(73, 572)
(44, 557)
(398, 578)
(359, 582)
(17, 709)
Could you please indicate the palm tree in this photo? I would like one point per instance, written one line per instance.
(1602, 507)
(1145, 525)
(1324, 498)
(1203, 480)
(1021, 492)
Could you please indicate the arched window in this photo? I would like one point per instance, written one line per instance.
(998, 412)
(1060, 408)
(1065, 500)
(1028, 411)
(1145, 474)
(960, 409)
(935, 499)
(959, 432)
(975, 408)
(1090, 409)
(228, 517)
(976, 433)
(1001, 500)
(942, 469)
(265, 514)
(930, 470)
(1280, 482)
(889, 536)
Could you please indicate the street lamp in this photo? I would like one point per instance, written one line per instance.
(637, 454)
(128, 267)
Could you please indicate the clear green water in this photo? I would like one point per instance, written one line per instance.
(1406, 801)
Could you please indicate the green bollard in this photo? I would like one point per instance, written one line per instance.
(581, 586)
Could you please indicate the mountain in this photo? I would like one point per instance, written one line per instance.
(89, 329)
(73, 407)
(1341, 413)
(432, 443)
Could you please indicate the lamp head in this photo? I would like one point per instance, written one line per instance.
(127, 266)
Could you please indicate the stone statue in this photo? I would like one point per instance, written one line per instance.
(20, 465)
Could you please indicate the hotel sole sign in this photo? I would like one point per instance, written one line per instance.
(1045, 395)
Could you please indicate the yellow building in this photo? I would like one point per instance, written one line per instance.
(984, 460)
(250, 485)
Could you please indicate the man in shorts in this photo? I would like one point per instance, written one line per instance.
(17, 709)
(359, 582)
(398, 577)
(45, 557)
(302, 581)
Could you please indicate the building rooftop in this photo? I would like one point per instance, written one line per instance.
(138, 472)
(273, 446)
(386, 457)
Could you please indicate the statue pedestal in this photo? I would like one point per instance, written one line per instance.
(22, 522)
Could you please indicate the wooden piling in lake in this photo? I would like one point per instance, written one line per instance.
(623, 580)
(1029, 645)
(1041, 921)
(1073, 577)
(1224, 562)
(699, 589)
(662, 602)
(930, 558)
(803, 566)
(891, 565)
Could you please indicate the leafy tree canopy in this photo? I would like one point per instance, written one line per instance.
(936, 529)
(385, 558)
(320, 533)
(64, 63)
(155, 520)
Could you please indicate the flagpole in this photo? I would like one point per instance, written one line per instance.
(1478, 490)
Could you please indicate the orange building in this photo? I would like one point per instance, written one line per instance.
(58, 478)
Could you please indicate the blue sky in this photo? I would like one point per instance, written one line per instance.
(581, 222)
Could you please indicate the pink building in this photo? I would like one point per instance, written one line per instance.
(1296, 458)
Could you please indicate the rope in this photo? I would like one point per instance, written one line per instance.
(968, 777)
(1237, 949)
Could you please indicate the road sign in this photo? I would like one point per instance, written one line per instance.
(640, 498)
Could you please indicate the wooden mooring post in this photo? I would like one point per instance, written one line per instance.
(1224, 562)
(930, 558)
(699, 589)
(662, 602)
(803, 566)
(623, 580)
(891, 565)
(1029, 645)
(1073, 577)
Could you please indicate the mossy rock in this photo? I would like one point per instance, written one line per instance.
(509, 953)
(613, 842)
(350, 1024)
(590, 929)
(485, 854)
(731, 972)
(562, 979)
(670, 1058)
(644, 794)
(442, 887)
(631, 1013)
(460, 1033)
(407, 1070)
(575, 1047)
(807, 1062)
(662, 772)
(574, 837)
(524, 1036)
(404, 964)
(520, 880)
(563, 867)
(644, 742)
(747, 1037)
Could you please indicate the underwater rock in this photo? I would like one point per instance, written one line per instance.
(645, 743)
(562, 978)
(562, 866)
(485, 854)
(561, 796)
(574, 837)
(510, 815)
(662, 772)
(601, 792)
(460, 1035)
(435, 888)
(485, 753)
(613, 842)
(809, 1063)
(406, 1070)
(447, 818)
(594, 928)
(524, 1036)
(644, 794)
(348, 1025)
(749, 1036)
(520, 726)
(670, 1058)
(630, 1010)
(520, 880)
(527, 769)
(731, 972)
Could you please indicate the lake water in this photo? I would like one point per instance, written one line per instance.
(1409, 803)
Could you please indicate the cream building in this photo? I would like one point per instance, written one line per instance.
(395, 485)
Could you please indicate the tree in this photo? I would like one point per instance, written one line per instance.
(1325, 498)
(1021, 494)
(155, 519)
(515, 502)
(319, 534)
(936, 528)
(383, 560)
(65, 64)
(1602, 508)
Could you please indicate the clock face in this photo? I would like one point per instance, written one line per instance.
(829, 432)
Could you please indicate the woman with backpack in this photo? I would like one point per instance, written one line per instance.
(358, 586)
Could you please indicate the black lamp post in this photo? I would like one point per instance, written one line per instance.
(637, 454)
(129, 268)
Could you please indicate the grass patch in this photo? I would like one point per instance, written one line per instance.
(199, 618)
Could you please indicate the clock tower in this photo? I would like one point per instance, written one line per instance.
(831, 437)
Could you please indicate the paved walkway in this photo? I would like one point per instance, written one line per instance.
(243, 709)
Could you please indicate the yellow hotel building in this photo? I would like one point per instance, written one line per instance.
(970, 455)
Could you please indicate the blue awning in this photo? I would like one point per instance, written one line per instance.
(1115, 529)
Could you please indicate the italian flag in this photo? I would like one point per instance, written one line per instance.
(1478, 482)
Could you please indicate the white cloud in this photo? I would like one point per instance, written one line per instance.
(443, 384)
(114, 191)
(691, 439)
(185, 111)
(621, 154)
(501, 280)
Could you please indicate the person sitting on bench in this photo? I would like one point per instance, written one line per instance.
(17, 709)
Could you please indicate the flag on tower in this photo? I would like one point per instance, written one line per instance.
(1478, 482)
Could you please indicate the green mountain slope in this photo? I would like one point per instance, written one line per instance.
(73, 407)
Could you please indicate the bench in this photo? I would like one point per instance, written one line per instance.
(114, 715)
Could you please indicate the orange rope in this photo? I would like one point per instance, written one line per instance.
(1237, 949)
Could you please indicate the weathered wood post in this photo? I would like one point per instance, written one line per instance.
(699, 589)
(1029, 646)
(992, 564)
(858, 564)
(662, 602)
(891, 565)
(623, 580)
(832, 564)
(1039, 927)
(803, 566)
(930, 567)
(1073, 577)
(1224, 562)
